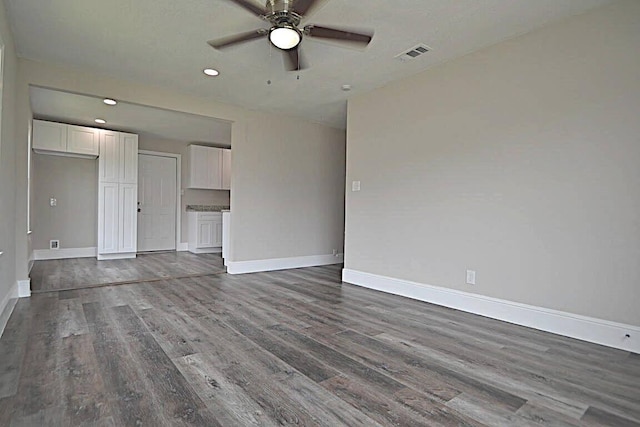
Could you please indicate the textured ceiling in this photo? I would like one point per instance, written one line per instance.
(163, 42)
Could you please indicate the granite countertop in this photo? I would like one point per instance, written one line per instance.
(206, 208)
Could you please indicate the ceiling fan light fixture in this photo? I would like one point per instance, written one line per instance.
(285, 37)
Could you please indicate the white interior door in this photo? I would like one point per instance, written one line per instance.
(156, 203)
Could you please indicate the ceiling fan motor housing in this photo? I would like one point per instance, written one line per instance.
(281, 13)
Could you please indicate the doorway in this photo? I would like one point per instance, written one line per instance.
(157, 202)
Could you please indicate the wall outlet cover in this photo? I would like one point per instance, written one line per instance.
(471, 277)
(54, 244)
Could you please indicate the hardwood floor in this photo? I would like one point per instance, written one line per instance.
(76, 273)
(295, 347)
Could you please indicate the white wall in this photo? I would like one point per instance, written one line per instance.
(7, 168)
(251, 206)
(520, 161)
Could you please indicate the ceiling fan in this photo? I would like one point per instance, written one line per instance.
(285, 34)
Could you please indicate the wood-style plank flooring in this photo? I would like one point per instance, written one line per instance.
(297, 348)
(77, 273)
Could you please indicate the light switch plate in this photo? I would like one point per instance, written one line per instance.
(355, 186)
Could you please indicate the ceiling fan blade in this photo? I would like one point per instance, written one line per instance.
(251, 7)
(238, 38)
(293, 59)
(337, 34)
(305, 7)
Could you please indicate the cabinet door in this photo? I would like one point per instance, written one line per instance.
(226, 169)
(217, 233)
(109, 159)
(128, 216)
(205, 234)
(49, 136)
(198, 167)
(128, 158)
(214, 156)
(108, 214)
(83, 140)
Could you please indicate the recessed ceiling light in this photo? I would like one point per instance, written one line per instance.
(110, 101)
(211, 72)
(100, 121)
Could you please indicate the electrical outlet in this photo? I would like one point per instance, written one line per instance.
(335, 252)
(53, 202)
(471, 277)
(54, 244)
(355, 186)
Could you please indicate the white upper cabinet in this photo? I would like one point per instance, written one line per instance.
(209, 168)
(83, 140)
(199, 169)
(65, 140)
(109, 164)
(118, 157)
(128, 158)
(49, 136)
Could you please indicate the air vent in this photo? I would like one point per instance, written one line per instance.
(414, 52)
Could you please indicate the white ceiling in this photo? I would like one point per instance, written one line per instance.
(163, 42)
(77, 109)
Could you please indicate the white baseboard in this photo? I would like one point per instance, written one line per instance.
(182, 247)
(206, 251)
(24, 288)
(7, 304)
(604, 332)
(241, 267)
(63, 253)
(109, 257)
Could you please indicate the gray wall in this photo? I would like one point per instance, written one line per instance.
(520, 161)
(191, 196)
(74, 183)
(288, 190)
(7, 167)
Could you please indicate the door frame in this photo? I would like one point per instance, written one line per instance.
(178, 158)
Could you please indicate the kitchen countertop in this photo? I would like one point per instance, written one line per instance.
(206, 208)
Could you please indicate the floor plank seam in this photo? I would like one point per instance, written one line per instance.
(129, 282)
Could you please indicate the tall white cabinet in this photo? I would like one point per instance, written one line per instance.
(117, 195)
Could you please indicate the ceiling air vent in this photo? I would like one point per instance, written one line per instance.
(414, 52)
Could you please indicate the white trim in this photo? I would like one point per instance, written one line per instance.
(182, 247)
(217, 250)
(599, 331)
(7, 305)
(241, 267)
(43, 254)
(109, 257)
(24, 288)
(178, 158)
